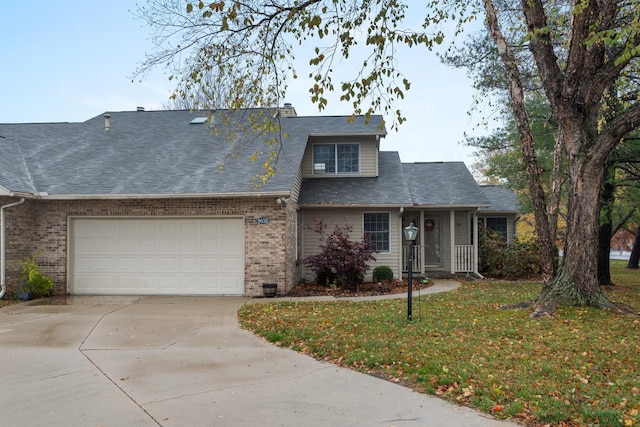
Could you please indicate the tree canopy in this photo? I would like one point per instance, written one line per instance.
(250, 47)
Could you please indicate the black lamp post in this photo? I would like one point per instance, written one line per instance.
(410, 234)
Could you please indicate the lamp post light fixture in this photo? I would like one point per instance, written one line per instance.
(410, 234)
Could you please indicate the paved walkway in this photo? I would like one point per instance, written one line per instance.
(440, 285)
(184, 361)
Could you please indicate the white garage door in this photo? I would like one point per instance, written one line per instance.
(157, 256)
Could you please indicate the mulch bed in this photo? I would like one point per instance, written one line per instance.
(307, 289)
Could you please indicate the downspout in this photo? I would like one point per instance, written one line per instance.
(3, 289)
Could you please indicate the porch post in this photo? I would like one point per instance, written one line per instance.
(421, 239)
(400, 244)
(475, 241)
(452, 236)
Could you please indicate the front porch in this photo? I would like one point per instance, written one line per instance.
(464, 260)
(446, 242)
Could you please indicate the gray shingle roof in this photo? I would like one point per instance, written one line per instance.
(446, 184)
(388, 189)
(502, 199)
(160, 153)
(13, 171)
(154, 153)
(443, 184)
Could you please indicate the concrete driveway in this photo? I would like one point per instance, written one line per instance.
(183, 361)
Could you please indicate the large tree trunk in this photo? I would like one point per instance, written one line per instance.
(635, 251)
(577, 281)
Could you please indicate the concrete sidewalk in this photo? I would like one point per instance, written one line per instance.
(439, 285)
(184, 361)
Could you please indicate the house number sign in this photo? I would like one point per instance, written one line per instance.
(262, 220)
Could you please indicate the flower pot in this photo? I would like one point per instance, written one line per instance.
(24, 296)
(269, 289)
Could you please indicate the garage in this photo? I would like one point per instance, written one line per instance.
(156, 256)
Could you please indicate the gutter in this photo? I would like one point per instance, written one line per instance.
(359, 205)
(361, 133)
(3, 288)
(151, 196)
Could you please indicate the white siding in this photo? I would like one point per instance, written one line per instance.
(463, 224)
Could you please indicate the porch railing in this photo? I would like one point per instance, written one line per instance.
(463, 262)
(417, 258)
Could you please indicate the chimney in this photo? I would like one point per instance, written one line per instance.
(107, 122)
(287, 110)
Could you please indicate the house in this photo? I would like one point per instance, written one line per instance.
(165, 202)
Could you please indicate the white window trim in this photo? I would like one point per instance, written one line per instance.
(388, 231)
(316, 167)
(484, 218)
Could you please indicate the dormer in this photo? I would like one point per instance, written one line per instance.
(341, 156)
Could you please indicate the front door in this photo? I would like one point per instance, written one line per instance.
(432, 242)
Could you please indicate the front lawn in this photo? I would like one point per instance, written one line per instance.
(579, 368)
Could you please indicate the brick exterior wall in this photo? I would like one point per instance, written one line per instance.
(41, 225)
(19, 239)
(293, 267)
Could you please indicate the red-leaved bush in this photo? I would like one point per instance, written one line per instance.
(341, 260)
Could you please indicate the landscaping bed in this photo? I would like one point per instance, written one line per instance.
(306, 289)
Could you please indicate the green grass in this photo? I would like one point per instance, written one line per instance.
(579, 368)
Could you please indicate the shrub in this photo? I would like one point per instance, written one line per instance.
(341, 260)
(382, 273)
(501, 260)
(34, 281)
(326, 277)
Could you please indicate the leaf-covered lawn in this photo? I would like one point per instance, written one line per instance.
(580, 368)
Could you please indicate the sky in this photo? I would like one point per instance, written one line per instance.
(69, 61)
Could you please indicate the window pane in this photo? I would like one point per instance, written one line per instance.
(376, 226)
(324, 154)
(499, 225)
(348, 158)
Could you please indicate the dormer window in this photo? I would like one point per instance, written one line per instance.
(336, 159)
